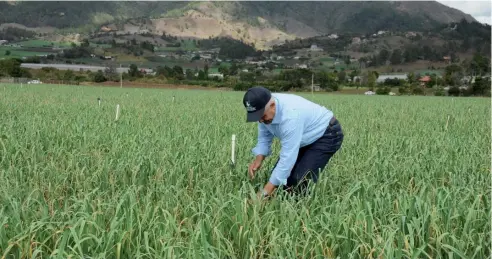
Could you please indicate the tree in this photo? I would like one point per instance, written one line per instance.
(110, 73)
(347, 60)
(327, 80)
(480, 86)
(189, 74)
(247, 77)
(396, 57)
(233, 69)
(411, 78)
(134, 72)
(454, 91)
(205, 70)
(85, 43)
(11, 67)
(453, 74)
(353, 74)
(7, 53)
(433, 81)
(99, 77)
(371, 81)
(479, 64)
(178, 72)
(201, 75)
(383, 56)
(68, 75)
(341, 77)
(223, 69)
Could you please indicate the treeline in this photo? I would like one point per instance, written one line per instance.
(15, 34)
(132, 47)
(74, 14)
(473, 35)
(329, 45)
(410, 53)
(464, 30)
(11, 67)
(240, 77)
(229, 48)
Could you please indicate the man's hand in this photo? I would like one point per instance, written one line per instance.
(267, 191)
(253, 167)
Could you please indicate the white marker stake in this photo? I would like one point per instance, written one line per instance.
(173, 99)
(447, 123)
(233, 149)
(99, 102)
(117, 112)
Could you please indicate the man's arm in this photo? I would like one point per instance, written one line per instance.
(265, 138)
(290, 144)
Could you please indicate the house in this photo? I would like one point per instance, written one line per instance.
(410, 34)
(333, 36)
(219, 75)
(314, 47)
(205, 56)
(425, 80)
(382, 78)
(355, 40)
(447, 59)
(3, 42)
(107, 29)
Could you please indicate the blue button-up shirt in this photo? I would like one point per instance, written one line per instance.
(297, 122)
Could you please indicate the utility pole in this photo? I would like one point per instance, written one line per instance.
(121, 77)
(312, 84)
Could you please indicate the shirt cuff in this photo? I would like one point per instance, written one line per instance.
(275, 181)
(260, 151)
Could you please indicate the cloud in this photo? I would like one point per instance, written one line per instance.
(480, 10)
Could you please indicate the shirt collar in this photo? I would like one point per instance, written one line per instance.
(278, 112)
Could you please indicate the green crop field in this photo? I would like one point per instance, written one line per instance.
(19, 53)
(42, 43)
(412, 179)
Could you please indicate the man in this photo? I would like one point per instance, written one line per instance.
(309, 135)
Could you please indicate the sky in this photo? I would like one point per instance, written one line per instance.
(480, 10)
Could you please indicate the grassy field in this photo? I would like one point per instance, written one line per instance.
(411, 181)
(43, 43)
(186, 45)
(19, 53)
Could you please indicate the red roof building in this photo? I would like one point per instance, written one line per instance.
(425, 79)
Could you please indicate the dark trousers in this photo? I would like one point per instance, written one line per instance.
(313, 158)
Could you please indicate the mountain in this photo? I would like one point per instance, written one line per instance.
(263, 23)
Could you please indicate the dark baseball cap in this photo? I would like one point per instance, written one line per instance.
(255, 100)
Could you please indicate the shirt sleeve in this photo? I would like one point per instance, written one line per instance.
(265, 138)
(290, 144)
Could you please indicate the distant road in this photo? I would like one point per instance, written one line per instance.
(75, 67)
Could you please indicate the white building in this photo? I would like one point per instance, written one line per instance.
(219, 75)
(333, 36)
(382, 78)
(315, 47)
